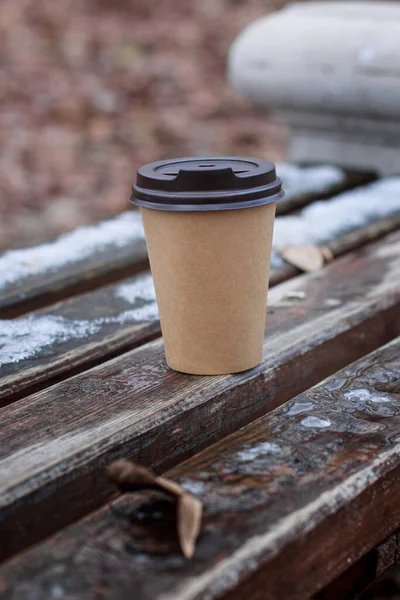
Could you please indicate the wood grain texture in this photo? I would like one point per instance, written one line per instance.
(64, 358)
(289, 501)
(55, 443)
(113, 321)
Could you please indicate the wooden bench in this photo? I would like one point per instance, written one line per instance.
(289, 501)
(83, 381)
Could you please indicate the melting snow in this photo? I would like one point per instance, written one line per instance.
(299, 407)
(70, 247)
(325, 220)
(22, 338)
(193, 487)
(365, 395)
(315, 422)
(298, 181)
(148, 312)
(140, 289)
(255, 452)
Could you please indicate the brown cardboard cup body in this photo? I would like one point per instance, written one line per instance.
(211, 273)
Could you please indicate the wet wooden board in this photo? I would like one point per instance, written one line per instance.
(103, 311)
(55, 443)
(119, 258)
(288, 500)
(87, 330)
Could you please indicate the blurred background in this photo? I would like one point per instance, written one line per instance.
(92, 89)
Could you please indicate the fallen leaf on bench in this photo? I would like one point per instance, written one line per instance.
(327, 253)
(130, 477)
(305, 258)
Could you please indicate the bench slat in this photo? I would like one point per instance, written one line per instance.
(289, 501)
(75, 335)
(55, 443)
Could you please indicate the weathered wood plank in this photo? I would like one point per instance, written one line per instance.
(289, 501)
(74, 335)
(55, 443)
(365, 572)
(93, 256)
(111, 322)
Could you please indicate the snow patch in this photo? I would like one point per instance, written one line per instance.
(325, 220)
(299, 181)
(148, 312)
(140, 289)
(24, 337)
(315, 422)
(193, 487)
(365, 395)
(27, 336)
(71, 247)
(254, 452)
(299, 407)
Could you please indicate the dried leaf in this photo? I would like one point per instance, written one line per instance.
(190, 511)
(130, 477)
(305, 258)
(327, 253)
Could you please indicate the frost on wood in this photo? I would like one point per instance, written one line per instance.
(27, 336)
(252, 452)
(324, 221)
(316, 422)
(22, 338)
(299, 181)
(141, 291)
(71, 247)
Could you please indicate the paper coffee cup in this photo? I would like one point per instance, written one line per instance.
(208, 225)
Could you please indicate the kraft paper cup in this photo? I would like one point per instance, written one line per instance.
(211, 269)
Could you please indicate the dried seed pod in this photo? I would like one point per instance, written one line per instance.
(130, 477)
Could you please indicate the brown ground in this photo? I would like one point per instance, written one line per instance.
(91, 89)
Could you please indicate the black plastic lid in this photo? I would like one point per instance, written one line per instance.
(217, 183)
